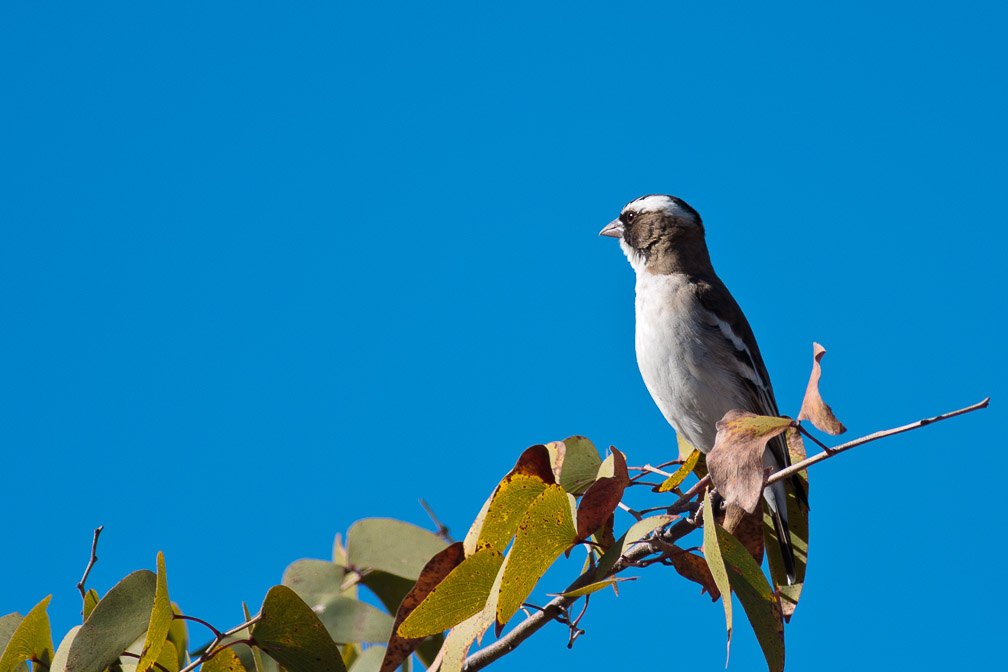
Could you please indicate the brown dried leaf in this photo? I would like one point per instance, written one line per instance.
(693, 567)
(736, 461)
(602, 498)
(813, 407)
(436, 569)
(746, 527)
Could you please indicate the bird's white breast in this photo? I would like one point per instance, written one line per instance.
(681, 373)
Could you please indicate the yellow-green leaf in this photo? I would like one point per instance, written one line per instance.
(594, 587)
(291, 633)
(460, 638)
(31, 640)
(225, 660)
(673, 481)
(257, 661)
(461, 594)
(576, 462)
(756, 596)
(160, 620)
(516, 491)
(712, 554)
(179, 636)
(434, 572)
(546, 531)
(168, 658)
(90, 600)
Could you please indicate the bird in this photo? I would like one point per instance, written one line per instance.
(695, 349)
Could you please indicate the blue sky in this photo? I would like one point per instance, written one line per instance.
(269, 270)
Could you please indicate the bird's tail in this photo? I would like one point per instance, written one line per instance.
(784, 539)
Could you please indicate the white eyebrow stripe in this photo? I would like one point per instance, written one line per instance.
(654, 203)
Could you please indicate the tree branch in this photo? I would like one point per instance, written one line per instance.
(91, 563)
(659, 543)
(557, 605)
(830, 452)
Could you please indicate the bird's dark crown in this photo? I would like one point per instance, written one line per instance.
(666, 231)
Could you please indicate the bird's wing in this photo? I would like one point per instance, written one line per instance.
(744, 360)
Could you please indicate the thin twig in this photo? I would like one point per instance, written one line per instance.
(91, 563)
(211, 650)
(816, 441)
(819, 457)
(442, 530)
(183, 617)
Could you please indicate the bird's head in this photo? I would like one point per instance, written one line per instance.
(660, 234)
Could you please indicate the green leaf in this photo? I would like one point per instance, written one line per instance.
(516, 491)
(637, 532)
(369, 660)
(293, 635)
(756, 596)
(712, 554)
(546, 531)
(225, 660)
(315, 581)
(687, 467)
(349, 620)
(160, 620)
(117, 621)
(463, 593)
(578, 461)
(31, 640)
(179, 636)
(388, 588)
(90, 600)
(391, 546)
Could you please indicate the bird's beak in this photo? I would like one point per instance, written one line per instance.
(613, 229)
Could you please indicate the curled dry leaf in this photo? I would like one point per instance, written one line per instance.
(693, 567)
(736, 461)
(813, 407)
(436, 569)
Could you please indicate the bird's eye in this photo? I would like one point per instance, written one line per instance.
(630, 216)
